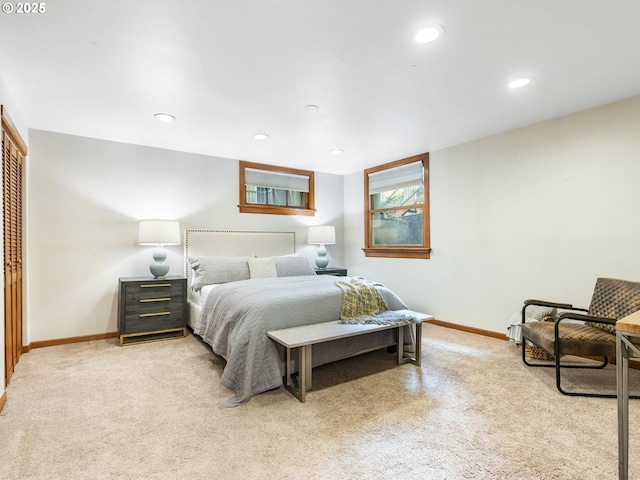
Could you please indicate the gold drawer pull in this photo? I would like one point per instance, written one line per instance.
(148, 300)
(154, 314)
(156, 285)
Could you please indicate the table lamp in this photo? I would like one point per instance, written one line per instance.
(159, 233)
(322, 235)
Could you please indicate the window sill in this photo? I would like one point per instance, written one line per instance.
(397, 252)
(273, 210)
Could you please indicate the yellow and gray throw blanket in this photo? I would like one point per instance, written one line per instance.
(362, 303)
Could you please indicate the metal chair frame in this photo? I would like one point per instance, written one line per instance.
(556, 353)
(571, 314)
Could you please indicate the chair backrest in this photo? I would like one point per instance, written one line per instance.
(613, 298)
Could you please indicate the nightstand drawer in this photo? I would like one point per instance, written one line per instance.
(151, 321)
(150, 291)
(151, 306)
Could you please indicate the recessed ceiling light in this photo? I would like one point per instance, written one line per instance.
(428, 34)
(520, 82)
(260, 136)
(336, 151)
(312, 108)
(164, 117)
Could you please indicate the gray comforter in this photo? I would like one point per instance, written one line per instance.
(236, 317)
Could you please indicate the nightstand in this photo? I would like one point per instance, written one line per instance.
(151, 309)
(337, 272)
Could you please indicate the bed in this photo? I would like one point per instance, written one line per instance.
(245, 283)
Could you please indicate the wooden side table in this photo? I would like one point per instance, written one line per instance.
(151, 309)
(627, 339)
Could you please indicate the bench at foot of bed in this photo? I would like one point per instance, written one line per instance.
(304, 337)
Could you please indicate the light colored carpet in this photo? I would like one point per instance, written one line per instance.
(95, 410)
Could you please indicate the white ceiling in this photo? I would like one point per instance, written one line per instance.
(229, 69)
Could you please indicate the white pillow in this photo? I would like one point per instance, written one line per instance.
(264, 267)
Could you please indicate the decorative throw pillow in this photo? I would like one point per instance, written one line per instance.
(293, 266)
(213, 270)
(263, 267)
(537, 312)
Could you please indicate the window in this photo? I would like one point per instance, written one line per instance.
(275, 190)
(397, 209)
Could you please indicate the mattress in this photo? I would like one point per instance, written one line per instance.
(196, 300)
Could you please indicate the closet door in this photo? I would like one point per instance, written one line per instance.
(13, 152)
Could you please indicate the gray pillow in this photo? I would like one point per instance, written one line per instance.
(538, 312)
(293, 266)
(213, 270)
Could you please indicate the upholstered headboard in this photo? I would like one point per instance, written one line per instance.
(236, 243)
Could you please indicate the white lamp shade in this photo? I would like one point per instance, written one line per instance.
(325, 234)
(158, 232)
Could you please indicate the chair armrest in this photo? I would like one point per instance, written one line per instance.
(581, 317)
(543, 303)
(585, 318)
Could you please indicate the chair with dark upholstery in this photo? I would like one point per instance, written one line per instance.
(588, 334)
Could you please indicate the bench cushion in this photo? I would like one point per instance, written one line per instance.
(575, 338)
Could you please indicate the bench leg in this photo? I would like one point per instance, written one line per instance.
(307, 360)
(417, 360)
(304, 373)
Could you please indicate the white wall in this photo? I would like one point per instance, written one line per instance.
(11, 108)
(86, 197)
(537, 212)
